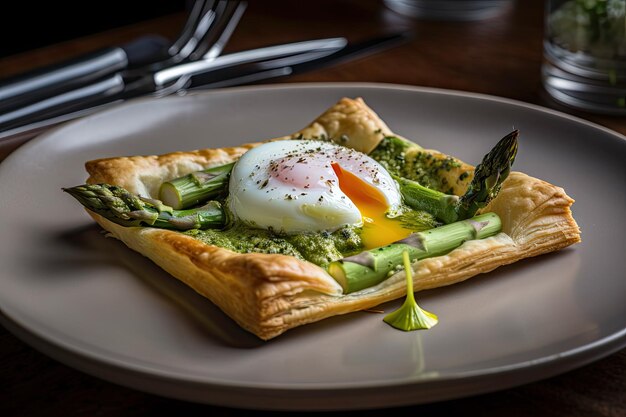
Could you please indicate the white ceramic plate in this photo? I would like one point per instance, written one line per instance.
(95, 305)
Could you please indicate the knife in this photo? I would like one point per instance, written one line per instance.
(45, 82)
(125, 86)
(212, 74)
(274, 69)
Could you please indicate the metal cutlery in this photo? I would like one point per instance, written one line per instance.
(255, 72)
(162, 82)
(36, 85)
(227, 70)
(207, 29)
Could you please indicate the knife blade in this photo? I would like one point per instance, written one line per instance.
(274, 69)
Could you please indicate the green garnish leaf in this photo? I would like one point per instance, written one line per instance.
(410, 316)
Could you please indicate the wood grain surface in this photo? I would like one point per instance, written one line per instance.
(500, 56)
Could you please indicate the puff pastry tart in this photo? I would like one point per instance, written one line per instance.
(268, 286)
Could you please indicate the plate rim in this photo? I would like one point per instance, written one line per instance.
(297, 398)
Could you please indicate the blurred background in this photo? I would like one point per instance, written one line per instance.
(478, 55)
(48, 23)
(497, 50)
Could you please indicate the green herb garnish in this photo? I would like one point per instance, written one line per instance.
(410, 316)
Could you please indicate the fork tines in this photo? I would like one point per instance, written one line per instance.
(208, 27)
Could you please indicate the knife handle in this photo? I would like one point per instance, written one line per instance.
(53, 80)
(68, 102)
(111, 89)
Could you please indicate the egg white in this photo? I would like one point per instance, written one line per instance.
(290, 186)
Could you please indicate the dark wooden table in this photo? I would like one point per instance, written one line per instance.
(500, 56)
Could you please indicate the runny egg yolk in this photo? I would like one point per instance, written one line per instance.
(378, 229)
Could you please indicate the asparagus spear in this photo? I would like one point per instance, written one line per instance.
(488, 178)
(371, 267)
(195, 188)
(442, 206)
(120, 206)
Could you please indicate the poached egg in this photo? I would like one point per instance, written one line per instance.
(299, 186)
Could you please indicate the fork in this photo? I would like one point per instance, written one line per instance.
(208, 44)
(207, 29)
(204, 35)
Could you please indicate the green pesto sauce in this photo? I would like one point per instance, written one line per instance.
(400, 157)
(391, 154)
(319, 248)
(408, 160)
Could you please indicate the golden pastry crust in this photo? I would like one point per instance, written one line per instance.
(350, 123)
(269, 294)
(143, 175)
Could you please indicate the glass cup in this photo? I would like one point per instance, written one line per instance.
(585, 54)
